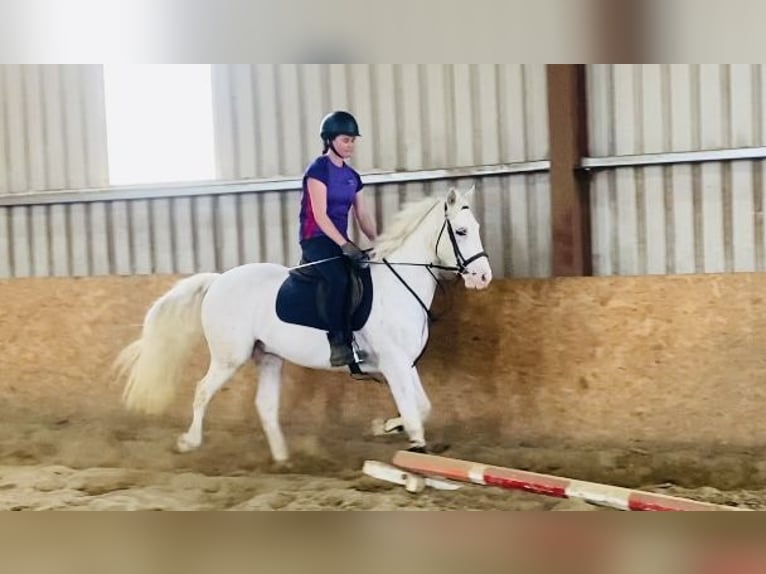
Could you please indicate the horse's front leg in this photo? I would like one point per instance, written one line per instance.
(424, 404)
(394, 425)
(398, 373)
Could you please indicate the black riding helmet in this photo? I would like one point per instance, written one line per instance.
(338, 123)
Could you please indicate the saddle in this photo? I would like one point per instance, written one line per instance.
(301, 301)
(301, 298)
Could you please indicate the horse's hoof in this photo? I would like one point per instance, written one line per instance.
(437, 448)
(387, 427)
(184, 445)
(281, 466)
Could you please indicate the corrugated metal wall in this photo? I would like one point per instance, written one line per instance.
(217, 232)
(705, 217)
(52, 127)
(684, 218)
(413, 116)
(52, 137)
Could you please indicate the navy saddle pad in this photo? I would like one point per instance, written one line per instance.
(300, 299)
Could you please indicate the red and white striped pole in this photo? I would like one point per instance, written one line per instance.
(511, 479)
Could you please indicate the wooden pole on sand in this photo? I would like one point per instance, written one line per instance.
(600, 494)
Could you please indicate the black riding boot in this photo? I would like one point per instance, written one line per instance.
(340, 349)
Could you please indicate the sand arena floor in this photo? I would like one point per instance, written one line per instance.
(128, 463)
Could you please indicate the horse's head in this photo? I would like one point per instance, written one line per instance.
(459, 243)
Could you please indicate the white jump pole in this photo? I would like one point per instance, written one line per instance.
(511, 479)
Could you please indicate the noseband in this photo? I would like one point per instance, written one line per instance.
(461, 263)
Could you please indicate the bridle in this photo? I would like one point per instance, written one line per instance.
(462, 262)
(461, 266)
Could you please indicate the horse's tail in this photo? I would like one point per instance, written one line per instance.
(152, 364)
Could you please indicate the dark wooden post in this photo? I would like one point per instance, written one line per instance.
(570, 203)
(621, 31)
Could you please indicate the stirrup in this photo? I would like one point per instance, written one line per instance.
(359, 375)
(360, 356)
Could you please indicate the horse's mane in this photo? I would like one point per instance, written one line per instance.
(404, 223)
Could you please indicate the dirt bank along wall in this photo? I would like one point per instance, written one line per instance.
(672, 360)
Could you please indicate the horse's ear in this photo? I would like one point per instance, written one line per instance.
(451, 197)
(470, 194)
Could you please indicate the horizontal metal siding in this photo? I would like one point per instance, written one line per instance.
(215, 233)
(412, 116)
(417, 116)
(52, 127)
(654, 108)
(679, 219)
(706, 217)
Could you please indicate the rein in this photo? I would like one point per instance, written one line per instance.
(461, 268)
(429, 314)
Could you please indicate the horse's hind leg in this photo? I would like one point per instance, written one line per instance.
(217, 375)
(267, 403)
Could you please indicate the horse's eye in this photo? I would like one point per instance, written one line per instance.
(461, 232)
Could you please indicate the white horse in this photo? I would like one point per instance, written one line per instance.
(236, 313)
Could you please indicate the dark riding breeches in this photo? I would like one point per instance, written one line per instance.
(335, 273)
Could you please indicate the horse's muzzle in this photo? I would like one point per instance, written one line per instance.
(478, 278)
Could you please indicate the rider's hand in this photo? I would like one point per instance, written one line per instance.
(356, 256)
